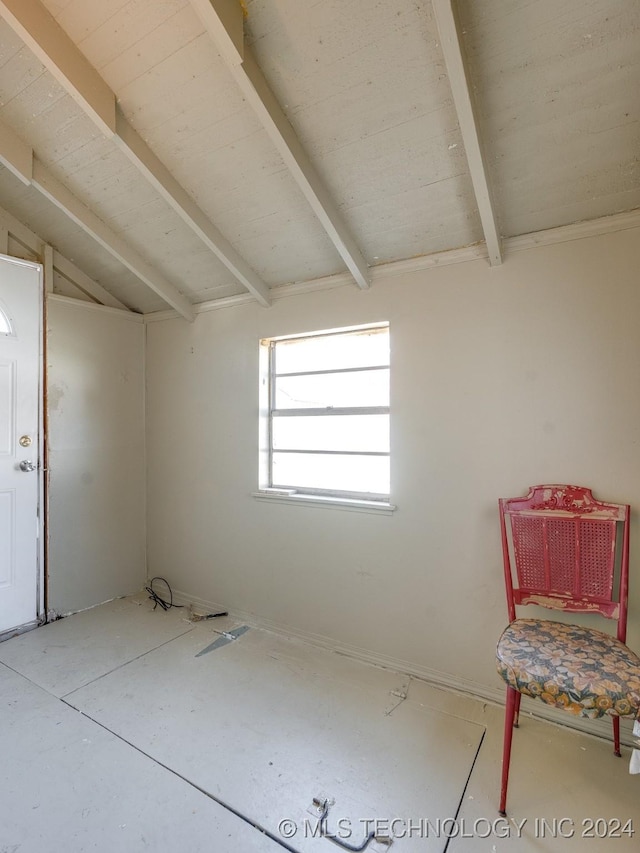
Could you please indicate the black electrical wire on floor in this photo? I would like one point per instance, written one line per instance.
(168, 604)
(157, 599)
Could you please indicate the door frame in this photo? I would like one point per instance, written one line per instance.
(42, 500)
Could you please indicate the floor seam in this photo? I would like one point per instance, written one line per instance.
(466, 785)
(30, 680)
(97, 678)
(125, 663)
(259, 827)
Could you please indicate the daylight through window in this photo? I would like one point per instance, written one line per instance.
(328, 413)
(5, 324)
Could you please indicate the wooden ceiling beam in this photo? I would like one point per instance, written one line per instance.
(136, 149)
(223, 19)
(42, 34)
(39, 30)
(9, 225)
(15, 154)
(451, 43)
(19, 157)
(76, 210)
(87, 285)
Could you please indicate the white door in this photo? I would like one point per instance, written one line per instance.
(20, 329)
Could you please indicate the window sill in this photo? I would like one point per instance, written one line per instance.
(375, 507)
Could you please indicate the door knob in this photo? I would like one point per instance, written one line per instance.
(27, 465)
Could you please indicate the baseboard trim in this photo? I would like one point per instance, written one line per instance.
(476, 690)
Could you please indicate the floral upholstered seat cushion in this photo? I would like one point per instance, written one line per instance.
(579, 669)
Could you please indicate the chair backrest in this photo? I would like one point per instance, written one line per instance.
(563, 543)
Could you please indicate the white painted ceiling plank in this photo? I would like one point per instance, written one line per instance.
(77, 245)
(136, 149)
(226, 26)
(66, 268)
(43, 35)
(20, 232)
(454, 60)
(15, 154)
(57, 193)
(82, 281)
(556, 86)
(18, 157)
(53, 47)
(259, 95)
(63, 287)
(26, 243)
(214, 14)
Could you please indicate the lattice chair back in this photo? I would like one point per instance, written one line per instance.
(560, 548)
(563, 544)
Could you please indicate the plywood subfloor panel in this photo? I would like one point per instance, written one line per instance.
(266, 724)
(262, 725)
(66, 654)
(556, 774)
(69, 785)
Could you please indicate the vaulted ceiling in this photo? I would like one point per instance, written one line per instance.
(179, 151)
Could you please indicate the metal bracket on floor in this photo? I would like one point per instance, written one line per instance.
(373, 843)
(320, 804)
(224, 638)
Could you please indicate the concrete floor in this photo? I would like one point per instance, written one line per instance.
(116, 735)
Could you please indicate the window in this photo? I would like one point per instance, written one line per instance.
(5, 324)
(326, 414)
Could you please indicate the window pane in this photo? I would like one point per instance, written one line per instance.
(5, 325)
(367, 348)
(337, 473)
(365, 433)
(333, 390)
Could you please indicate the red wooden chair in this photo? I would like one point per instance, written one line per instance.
(571, 553)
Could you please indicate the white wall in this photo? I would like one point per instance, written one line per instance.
(501, 378)
(95, 362)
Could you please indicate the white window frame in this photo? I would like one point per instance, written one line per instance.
(323, 497)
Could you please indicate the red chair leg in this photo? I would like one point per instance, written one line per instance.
(516, 716)
(509, 715)
(616, 736)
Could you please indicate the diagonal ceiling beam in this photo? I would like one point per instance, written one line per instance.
(258, 94)
(223, 20)
(16, 154)
(137, 150)
(57, 52)
(22, 235)
(64, 199)
(87, 285)
(452, 49)
(19, 157)
(43, 36)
